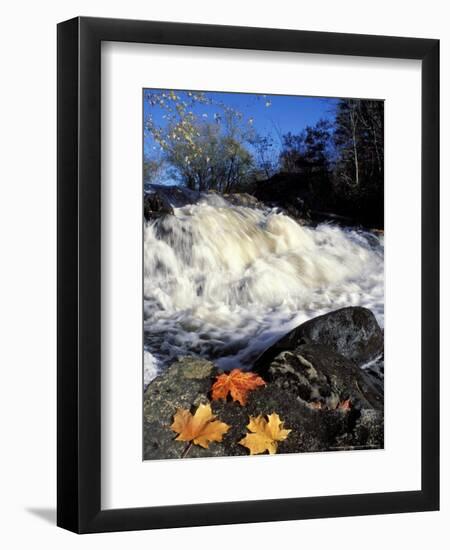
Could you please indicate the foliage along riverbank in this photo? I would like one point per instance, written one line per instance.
(335, 166)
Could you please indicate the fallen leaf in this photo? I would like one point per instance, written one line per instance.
(265, 434)
(237, 383)
(345, 405)
(201, 428)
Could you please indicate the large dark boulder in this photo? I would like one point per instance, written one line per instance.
(187, 383)
(156, 206)
(323, 378)
(160, 200)
(352, 332)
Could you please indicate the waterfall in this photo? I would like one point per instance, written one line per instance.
(224, 282)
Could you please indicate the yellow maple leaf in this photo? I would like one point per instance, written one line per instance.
(237, 383)
(265, 434)
(201, 427)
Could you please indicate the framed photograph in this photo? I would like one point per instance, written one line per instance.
(248, 289)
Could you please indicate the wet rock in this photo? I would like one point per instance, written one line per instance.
(243, 199)
(311, 429)
(375, 371)
(323, 378)
(160, 200)
(352, 332)
(156, 206)
(368, 432)
(187, 383)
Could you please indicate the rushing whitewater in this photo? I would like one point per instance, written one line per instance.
(224, 282)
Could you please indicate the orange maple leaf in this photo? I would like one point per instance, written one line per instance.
(345, 405)
(237, 383)
(201, 427)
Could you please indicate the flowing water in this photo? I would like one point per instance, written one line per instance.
(224, 282)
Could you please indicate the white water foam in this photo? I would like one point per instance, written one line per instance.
(224, 282)
(150, 367)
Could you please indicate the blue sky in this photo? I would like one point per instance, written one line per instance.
(272, 115)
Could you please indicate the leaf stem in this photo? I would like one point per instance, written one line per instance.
(186, 450)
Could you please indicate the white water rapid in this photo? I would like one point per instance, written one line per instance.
(224, 282)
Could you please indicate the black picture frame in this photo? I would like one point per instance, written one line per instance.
(79, 275)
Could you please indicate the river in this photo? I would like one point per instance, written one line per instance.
(224, 282)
